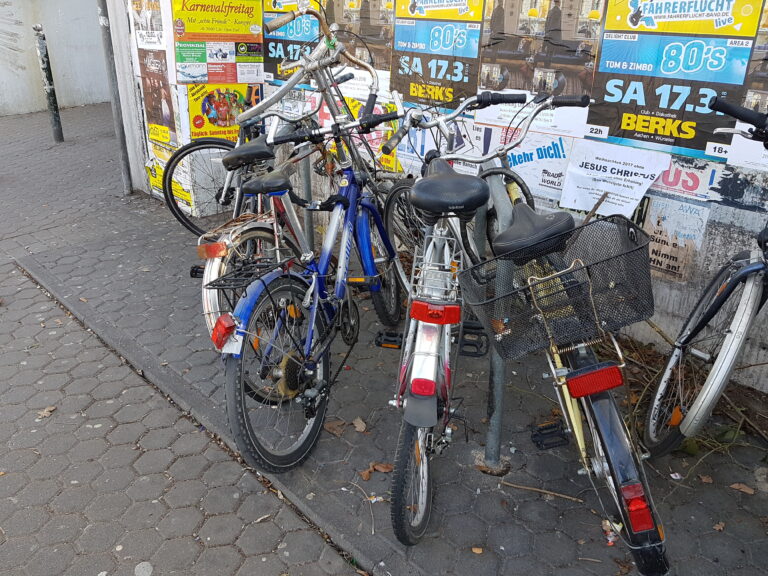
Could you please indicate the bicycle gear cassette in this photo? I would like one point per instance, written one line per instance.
(349, 321)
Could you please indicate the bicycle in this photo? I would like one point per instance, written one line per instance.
(706, 349)
(276, 342)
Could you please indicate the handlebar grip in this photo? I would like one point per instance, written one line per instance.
(295, 137)
(485, 99)
(369, 104)
(280, 21)
(579, 101)
(757, 119)
(392, 143)
(368, 123)
(343, 78)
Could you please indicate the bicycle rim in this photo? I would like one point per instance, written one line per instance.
(194, 181)
(411, 485)
(270, 425)
(387, 300)
(696, 374)
(405, 227)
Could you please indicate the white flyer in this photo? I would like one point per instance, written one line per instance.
(622, 172)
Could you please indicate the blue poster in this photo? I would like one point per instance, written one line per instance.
(457, 39)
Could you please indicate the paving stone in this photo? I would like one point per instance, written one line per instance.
(218, 530)
(259, 538)
(99, 537)
(186, 493)
(154, 461)
(223, 560)
(179, 554)
(222, 500)
(301, 546)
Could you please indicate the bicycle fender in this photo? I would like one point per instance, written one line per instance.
(420, 411)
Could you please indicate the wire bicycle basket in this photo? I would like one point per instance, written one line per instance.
(572, 288)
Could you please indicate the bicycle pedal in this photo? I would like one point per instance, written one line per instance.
(389, 339)
(549, 435)
(196, 271)
(474, 341)
(360, 282)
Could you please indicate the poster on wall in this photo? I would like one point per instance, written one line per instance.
(661, 63)
(156, 92)
(148, 24)
(218, 42)
(287, 43)
(213, 109)
(436, 50)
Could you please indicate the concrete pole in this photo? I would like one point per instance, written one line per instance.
(48, 87)
(117, 112)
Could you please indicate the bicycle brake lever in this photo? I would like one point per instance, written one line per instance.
(310, 292)
(742, 133)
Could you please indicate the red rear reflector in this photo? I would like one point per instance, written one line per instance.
(595, 381)
(435, 313)
(640, 517)
(212, 250)
(423, 387)
(222, 330)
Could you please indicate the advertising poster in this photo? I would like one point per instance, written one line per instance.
(661, 63)
(689, 178)
(598, 168)
(677, 230)
(158, 103)
(218, 42)
(436, 50)
(148, 24)
(287, 43)
(213, 109)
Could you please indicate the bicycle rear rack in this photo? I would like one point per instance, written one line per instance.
(242, 276)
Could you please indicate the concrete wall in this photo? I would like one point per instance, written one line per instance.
(74, 46)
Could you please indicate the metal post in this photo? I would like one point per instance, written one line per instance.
(48, 87)
(117, 110)
(306, 182)
(495, 412)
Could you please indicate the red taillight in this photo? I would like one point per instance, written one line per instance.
(222, 330)
(586, 383)
(640, 517)
(211, 250)
(423, 387)
(435, 313)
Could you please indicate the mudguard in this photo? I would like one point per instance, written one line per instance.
(420, 411)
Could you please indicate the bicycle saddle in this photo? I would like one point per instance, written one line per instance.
(256, 149)
(531, 230)
(273, 182)
(444, 190)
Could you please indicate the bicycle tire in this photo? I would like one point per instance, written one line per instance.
(409, 519)
(612, 444)
(404, 225)
(197, 159)
(216, 302)
(684, 398)
(387, 301)
(255, 418)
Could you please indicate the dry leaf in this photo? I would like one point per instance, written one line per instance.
(361, 572)
(366, 474)
(359, 424)
(720, 526)
(2, 473)
(742, 488)
(280, 495)
(261, 519)
(383, 467)
(705, 479)
(45, 412)
(581, 541)
(83, 299)
(477, 550)
(335, 427)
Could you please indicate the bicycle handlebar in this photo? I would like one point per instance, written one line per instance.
(485, 99)
(577, 101)
(318, 134)
(757, 119)
(281, 21)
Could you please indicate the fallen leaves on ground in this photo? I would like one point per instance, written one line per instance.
(335, 427)
(477, 550)
(46, 412)
(625, 567)
(741, 487)
(375, 467)
(720, 526)
(359, 424)
(83, 299)
(705, 479)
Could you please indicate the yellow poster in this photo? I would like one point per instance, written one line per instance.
(287, 5)
(711, 17)
(223, 20)
(213, 109)
(463, 10)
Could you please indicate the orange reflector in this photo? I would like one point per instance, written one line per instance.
(607, 376)
(395, 346)
(222, 330)
(212, 250)
(293, 311)
(356, 280)
(676, 417)
(435, 313)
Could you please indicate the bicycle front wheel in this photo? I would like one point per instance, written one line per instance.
(411, 485)
(696, 374)
(275, 427)
(404, 224)
(193, 183)
(387, 300)
(614, 461)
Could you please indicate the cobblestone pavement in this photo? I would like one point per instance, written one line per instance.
(121, 265)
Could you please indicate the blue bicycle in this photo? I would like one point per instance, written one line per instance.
(277, 341)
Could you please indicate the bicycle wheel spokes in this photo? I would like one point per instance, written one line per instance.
(411, 485)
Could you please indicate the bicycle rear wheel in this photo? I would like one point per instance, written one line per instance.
(387, 300)
(411, 503)
(404, 224)
(615, 462)
(696, 374)
(273, 430)
(193, 182)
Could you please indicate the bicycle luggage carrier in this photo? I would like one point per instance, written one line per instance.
(572, 288)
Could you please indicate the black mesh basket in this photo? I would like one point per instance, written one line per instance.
(569, 289)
